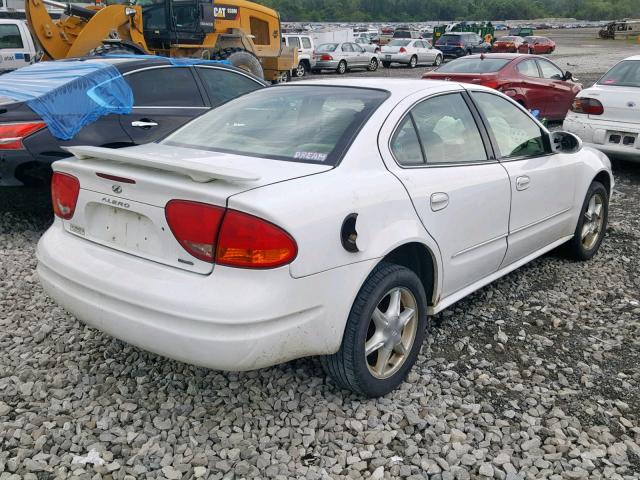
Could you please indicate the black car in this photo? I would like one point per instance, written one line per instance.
(166, 95)
(458, 44)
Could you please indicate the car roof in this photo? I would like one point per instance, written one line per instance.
(505, 56)
(126, 64)
(398, 87)
(634, 57)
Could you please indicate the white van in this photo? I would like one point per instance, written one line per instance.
(305, 45)
(17, 48)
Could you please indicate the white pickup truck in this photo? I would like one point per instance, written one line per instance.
(17, 48)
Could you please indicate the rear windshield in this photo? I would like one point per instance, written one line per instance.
(327, 47)
(450, 39)
(508, 39)
(399, 43)
(473, 65)
(624, 74)
(309, 124)
(402, 34)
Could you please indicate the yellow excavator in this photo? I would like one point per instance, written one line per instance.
(245, 33)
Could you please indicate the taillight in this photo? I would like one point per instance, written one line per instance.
(403, 50)
(588, 106)
(195, 226)
(250, 242)
(490, 84)
(326, 58)
(64, 194)
(12, 134)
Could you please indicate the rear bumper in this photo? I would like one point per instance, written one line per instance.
(331, 65)
(233, 319)
(395, 58)
(596, 134)
(452, 52)
(11, 164)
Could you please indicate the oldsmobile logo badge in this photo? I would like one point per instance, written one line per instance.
(116, 188)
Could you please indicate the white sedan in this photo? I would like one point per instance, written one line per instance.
(317, 218)
(607, 115)
(411, 53)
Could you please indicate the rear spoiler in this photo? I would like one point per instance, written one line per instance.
(200, 170)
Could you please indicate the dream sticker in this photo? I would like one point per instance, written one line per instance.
(315, 156)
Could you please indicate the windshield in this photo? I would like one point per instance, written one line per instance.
(399, 43)
(624, 74)
(327, 47)
(402, 34)
(309, 124)
(449, 39)
(473, 65)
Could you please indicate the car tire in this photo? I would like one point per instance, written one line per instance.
(413, 62)
(301, 70)
(469, 52)
(375, 375)
(531, 51)
(373, 65)
(592, 224)
(386, 64)
(438, 61)
(342, 67)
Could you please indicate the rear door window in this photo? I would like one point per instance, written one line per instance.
(165, 87)
(405, 144)
(448, 131)
(222, 85)
(529, 68)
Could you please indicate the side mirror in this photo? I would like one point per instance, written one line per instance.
(567, 76)
(565, 142)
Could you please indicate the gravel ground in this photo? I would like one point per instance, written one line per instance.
(535, 376)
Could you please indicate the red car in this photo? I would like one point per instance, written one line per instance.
(537, 45)
(508, 44)
(534, 82)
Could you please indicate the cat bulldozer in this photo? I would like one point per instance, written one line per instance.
(245, 33)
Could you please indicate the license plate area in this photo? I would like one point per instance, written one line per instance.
(122, 228)
(136, 228)
(624, 139)
(387, 57)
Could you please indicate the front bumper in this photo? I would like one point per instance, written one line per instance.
(395, 58)
(598, 134)
(233, 319)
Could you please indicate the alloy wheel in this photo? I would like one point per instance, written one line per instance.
(391, 333)
(301, 70)
(593, 222)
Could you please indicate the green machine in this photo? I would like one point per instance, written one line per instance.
(482, 29)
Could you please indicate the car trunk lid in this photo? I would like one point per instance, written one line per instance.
(621, 104)
(123, 193)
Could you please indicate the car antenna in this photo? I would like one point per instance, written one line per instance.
(482, 56)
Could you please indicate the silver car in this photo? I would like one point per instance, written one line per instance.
(365, 42)
(343, 56)
(411, 53)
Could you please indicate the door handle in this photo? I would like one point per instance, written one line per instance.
(522, 183)
(144, 123)
(439, 201)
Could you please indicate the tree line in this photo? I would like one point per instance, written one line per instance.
(428, 10)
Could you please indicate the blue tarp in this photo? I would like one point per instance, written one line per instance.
(69, 95)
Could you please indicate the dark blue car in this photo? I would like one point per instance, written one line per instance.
(459, 44)
(166, 95)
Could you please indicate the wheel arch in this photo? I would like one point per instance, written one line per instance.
(421, 260)
(605, 179)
